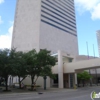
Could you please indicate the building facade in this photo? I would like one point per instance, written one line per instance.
(49, 24)
(66, 71)
(98, 40)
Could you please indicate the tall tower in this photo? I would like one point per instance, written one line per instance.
(98, 40)
(49, 24)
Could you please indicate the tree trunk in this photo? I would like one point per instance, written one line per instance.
(44, 82)
(6, 80)
(32, 84)
(19, 82)
(23, 78)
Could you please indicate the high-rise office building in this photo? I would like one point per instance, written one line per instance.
(98, 40)
(49, 24)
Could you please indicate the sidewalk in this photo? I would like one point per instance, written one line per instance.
(48, 90)
(39, 90)
(88, 87)
(55, 90)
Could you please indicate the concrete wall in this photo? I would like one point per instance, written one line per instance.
(27, 25)
(30, 32)
(85, 64)
(55, 69)
(40, 81)
(54, 39)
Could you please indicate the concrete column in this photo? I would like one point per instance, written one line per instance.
(76, 79)
(60, 70)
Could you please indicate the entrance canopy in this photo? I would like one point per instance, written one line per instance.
(81, 65)
(75, 65)
(68, 64)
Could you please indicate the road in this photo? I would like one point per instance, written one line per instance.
(80, 94)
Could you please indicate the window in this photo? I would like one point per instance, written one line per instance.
(70, 59)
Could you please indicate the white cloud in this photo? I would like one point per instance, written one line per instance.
(96, 13)
(1, 1)
(1, 20)
(93, 6)
(5, 40)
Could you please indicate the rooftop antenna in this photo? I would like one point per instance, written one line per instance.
(87, 49)
(93, 51)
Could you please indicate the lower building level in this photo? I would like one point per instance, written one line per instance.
(66, 70)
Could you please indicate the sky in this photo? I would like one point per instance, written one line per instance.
(87, 18)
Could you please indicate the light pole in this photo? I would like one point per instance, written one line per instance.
(45, 77)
